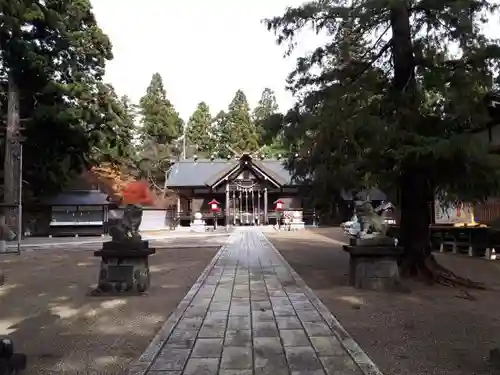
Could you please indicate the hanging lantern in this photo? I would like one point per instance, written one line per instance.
(214, 206)
(279, 205)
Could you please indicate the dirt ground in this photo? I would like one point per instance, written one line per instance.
(432, 330)
(45, 308)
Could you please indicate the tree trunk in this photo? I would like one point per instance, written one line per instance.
(12, 155)
(416, 197)
(413, 184)
(416, 191)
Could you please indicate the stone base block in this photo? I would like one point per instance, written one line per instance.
(123, 271)
(198, 227)
(297, 226)
(10, 362)
(375, 241)
(374, 268)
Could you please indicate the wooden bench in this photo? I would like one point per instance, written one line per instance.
(473, 241)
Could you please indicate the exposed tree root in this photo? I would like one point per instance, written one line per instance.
(431, 271)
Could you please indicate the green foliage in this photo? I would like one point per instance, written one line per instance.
(199, 130)
(56, 53)
(243, 135)
(113, 144)
(161, 125)
(153, 160)
(266, 107)
(160, 121)
(222, 131)
(380, 101)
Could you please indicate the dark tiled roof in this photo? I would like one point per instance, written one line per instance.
(205, 172)
(78, 198)
(277, 170)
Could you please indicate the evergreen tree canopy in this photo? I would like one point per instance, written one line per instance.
(113, 144)
(390, 100)
(54, 54)
(160, 120)
(243, 134)
(199, 130)
(266, 107)
(161, 126)
(222, 131)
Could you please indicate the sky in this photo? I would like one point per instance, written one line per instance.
(204, 50)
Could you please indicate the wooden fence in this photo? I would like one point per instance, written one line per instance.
(487, 212)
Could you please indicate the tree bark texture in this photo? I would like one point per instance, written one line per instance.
(12, 155)
(415, 189)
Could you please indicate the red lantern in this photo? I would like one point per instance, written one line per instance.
(279, 205)
(214, 206)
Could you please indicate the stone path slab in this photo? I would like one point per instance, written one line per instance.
(249, 313)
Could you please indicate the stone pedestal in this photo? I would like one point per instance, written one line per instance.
(374, 267)
(297, 223)
(10, 362)
(124, 268)
(198, 225)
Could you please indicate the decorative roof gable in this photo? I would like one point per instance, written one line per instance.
(186, 173)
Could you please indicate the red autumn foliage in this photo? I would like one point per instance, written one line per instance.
(138, 192)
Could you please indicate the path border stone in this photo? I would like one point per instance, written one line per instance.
(146, 360)
(366, 365)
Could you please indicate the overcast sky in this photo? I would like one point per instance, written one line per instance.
(204, 50)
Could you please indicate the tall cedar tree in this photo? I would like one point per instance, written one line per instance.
(113, 144)
(271, 139)
(243, 135)
(266, 107)
(54, 54)
(199, 130)
(160, 121)
(222, 132)
(389, 101)
(161, 125)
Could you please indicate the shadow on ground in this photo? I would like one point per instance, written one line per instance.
(432, 330)
(45, 308)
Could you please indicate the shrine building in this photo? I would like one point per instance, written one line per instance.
(242, 190)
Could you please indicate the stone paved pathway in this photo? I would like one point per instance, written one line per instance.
(251, 314)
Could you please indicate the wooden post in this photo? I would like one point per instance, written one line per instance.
(178, 218)
(265, 207)
(258, 207)
(227, 204)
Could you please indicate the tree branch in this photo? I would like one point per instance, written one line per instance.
(372, 61)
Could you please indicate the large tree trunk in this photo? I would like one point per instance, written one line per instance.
(416, 196)
(413, 190)
(12, 156)
(416, 191)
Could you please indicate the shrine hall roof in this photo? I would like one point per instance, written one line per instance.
(78, 198)
(203, 172)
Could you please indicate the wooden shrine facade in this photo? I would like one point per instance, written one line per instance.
(245, 188)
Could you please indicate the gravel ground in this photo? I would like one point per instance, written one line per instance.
(432, 330)
(45, 309)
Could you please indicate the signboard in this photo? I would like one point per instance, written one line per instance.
(463, 213)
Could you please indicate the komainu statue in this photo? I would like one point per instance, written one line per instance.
(367, 222)
(127, 228)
